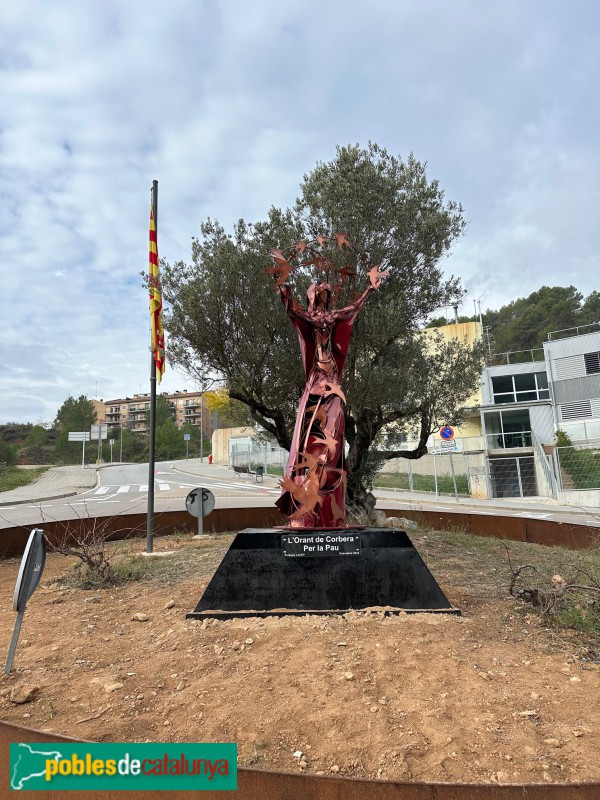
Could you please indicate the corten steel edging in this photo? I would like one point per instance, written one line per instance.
(255, 784)
(520, 529)
(13, 540)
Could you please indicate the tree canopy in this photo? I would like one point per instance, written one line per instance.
(525, 323)
(74, 415)
(225, 320)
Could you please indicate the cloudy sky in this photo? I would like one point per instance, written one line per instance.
(228, 104)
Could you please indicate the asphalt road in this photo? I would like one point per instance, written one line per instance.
(123, 489)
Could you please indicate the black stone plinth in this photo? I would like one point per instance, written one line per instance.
(256, 578)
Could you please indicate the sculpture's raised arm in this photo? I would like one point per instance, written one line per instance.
(293, 308)
(375, 277)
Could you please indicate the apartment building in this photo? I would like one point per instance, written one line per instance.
(189, 407)
(525, 404)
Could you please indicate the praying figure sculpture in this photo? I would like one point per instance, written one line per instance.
(314, 485)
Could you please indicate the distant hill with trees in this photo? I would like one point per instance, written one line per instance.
(524, 323)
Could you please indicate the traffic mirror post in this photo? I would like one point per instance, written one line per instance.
(13, 642)
(30, 572)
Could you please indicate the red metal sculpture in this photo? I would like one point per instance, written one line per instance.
(314, 485)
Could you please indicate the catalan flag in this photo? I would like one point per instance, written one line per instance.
(156, 323)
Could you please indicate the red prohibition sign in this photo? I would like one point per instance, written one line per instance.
(447, 433)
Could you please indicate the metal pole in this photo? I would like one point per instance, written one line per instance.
(410, 477)
(435, 476)
(187, 450)
(200, 518)
(453, 477)
(556, 460)
(151, 447)
(519, 477)
(201, 427)
(83, 454)
(111, 444)
(121, 453)
(13, 642)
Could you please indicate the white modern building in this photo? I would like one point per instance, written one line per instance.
(525, 404)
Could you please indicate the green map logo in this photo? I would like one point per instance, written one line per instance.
(106, 766)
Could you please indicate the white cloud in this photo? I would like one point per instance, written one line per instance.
(228, 105)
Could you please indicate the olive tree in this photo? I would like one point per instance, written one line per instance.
(224, 318)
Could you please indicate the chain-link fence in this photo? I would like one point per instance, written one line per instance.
(578, 466)
(446, 473)
(270, 456)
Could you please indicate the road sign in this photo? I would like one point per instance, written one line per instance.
(199, 503)
(446, 446)
(79, 436)
(30, 572)
(187, 437)
(447, 433)
(99, 431)
(193, 506)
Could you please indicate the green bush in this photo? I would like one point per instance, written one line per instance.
(581, 464)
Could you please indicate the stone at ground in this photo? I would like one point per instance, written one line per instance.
(401, 522)
(24, 693)
(112, 687)
(140, 617)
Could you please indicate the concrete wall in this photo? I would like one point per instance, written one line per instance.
(220, 442)
(584, 498)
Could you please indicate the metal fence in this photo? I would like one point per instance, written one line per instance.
(441, 473)
(459, 474)
(578, 466)
(546, 469)
(270, 456)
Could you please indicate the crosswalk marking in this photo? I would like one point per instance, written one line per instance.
(104, 493)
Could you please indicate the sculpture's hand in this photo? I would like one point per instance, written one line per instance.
(282, 267)
(375, 276)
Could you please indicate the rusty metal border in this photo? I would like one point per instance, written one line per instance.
(256, 784)
(515, 528)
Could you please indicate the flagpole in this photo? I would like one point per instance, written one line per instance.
(150, 520)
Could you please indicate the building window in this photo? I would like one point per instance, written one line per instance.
(525, 388)
(592, 363)
(507, 429)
